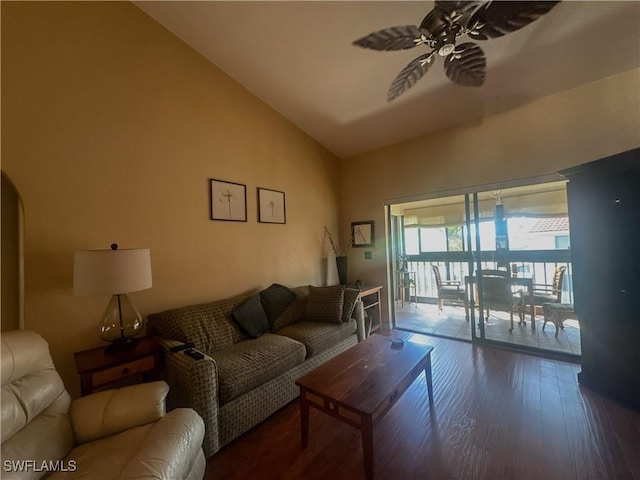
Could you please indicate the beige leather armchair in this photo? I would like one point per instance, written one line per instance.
(116, 434)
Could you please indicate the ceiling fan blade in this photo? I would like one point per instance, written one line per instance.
(409, 75)
(466, 65)
(457, 7)
(444, 14)
(394, 38)
(496, 19)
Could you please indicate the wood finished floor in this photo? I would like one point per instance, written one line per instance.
(497, 414)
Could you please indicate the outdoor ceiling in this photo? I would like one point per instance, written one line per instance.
(297, 57)
(531, 191)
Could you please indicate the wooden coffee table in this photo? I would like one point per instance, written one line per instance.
(359, 386)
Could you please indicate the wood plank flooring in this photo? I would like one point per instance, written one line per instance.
(497, 414)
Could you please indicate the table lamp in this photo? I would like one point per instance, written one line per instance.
(114, 272)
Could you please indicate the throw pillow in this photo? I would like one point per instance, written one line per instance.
(250, 317)
(325, 304)
(350, 298)
(275, 299)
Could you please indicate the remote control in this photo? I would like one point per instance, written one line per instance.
(184, 346)
(194, 354)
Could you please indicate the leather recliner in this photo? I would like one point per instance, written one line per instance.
(115, 434)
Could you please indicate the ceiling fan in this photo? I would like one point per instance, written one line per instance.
(464, 63)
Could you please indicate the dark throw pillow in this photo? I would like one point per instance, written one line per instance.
(325, 304)
(275, 299)
(251, 318)
(350, 298)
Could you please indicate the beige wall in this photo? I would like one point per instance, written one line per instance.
(111, 128)
(541, 138)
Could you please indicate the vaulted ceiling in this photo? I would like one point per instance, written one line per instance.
(298, 57)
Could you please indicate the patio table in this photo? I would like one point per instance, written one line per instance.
(526, 282)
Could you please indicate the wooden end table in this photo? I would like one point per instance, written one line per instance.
(98, 368)
(371, 302)
(359, 386)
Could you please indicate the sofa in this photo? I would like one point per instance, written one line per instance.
(235, 360)
(115, 434)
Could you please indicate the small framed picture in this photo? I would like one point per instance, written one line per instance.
(228, 201)
(362, 234)
(271, 207)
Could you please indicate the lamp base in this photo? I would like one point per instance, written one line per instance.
(121, 345)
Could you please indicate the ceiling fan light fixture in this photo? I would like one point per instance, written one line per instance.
(446, 49)
(446, 43)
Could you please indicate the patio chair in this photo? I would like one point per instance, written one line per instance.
(496, 294)
(544, 293)
(449, 290)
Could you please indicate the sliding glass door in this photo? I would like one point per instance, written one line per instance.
(429, 266)
(519, 238)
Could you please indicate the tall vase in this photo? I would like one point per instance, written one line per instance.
(341, 263)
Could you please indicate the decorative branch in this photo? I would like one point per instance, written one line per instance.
(334, 247)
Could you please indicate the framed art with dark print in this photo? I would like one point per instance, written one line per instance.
(271, 206)
(228, 201)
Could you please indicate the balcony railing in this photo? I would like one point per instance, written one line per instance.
(540, 271)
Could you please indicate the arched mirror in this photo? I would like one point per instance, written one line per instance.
(12, 257)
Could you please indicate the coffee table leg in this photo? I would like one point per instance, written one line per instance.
(367, 446)
(427, 372)
(304, 418)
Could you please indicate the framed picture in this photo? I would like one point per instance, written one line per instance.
(228, 201)
(362, 234)
(271, 207)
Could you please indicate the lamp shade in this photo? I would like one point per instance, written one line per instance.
(111, 272)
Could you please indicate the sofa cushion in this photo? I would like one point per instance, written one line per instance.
(295, 310)
(350, 298)
(318, 336)
(47, 436)
(166, 449)
(325, 304)
(117, 409)
(251, 317)
(275, 299)
(108, 456)
(208, 325)
(250, 363)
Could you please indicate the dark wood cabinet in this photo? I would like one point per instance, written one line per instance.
(604, 217)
